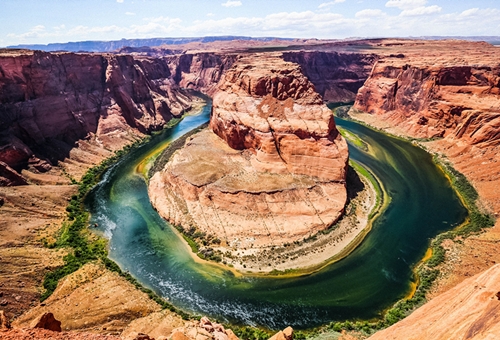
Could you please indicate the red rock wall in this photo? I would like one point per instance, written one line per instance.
(201, 71)
(337, 77)
(50, 101)
(436, 100)
(266, 105)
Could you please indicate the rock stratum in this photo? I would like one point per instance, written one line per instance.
(271, 168)
(444, 93)
(471, 310)
(60, 106)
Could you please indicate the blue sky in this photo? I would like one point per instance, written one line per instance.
(37, 21)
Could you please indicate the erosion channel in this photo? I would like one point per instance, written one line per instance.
(375, 275)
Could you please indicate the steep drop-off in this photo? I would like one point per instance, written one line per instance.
(468, 311)
(48, 102)
(437, 96)
(337, 77)
(271, 170)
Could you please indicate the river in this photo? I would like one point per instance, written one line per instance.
(361, 286)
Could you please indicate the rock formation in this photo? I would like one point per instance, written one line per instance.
(336, 76)
(467, 311)
(48, 102)
(270, 170)
(455, 94)
(47, 321)
(286, 334)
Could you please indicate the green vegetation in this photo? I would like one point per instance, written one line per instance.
(376, 185)
(353, 139)
(85, 247)
(250, 333)
(173, 122)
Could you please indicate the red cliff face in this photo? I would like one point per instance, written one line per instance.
(444, 96)
(50, 101)
(269, 107)
(201, 71)
(336, 76)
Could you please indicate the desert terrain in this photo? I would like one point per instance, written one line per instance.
(445, 94)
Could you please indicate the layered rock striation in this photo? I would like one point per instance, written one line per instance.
(452, 91)
(337, 76)
(48, 102)
(468, 311)
(271, 169)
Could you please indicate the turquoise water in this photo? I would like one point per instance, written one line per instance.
(361, 286)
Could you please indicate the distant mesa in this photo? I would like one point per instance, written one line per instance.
(109, 46)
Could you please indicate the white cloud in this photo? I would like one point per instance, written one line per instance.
(210, 14)
(469, 12)
(34, 32)
(405, 4)
(120, 1)
(129, 13)
(369, 13)
(331, 3)
(306, 24)
(231, 3)
(421, 11)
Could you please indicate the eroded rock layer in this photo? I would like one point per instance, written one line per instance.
(50, 102)
(453, 91)
(468, 311)
(270, 170)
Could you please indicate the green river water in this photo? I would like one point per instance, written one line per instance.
(361, 286)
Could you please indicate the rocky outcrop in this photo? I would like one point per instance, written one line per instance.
(200, 71)
(467, 311)
(48, 102)
(286, 334)
(47, 321)
(270, 170)
(336, 76)
(456, 94)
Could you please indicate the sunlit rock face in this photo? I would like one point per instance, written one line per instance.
(270, 169)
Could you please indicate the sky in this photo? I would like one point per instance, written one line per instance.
(49, 21)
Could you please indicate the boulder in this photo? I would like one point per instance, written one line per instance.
(47, 321)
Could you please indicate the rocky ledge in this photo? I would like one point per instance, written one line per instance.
(271, 168)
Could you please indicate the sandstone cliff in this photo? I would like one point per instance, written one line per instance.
(336, 76)
(467, 311)
(48, 102)
(199, 71)
(273, 169)
(450, 93)
(447, 89)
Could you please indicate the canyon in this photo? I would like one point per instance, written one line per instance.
(62, 113)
